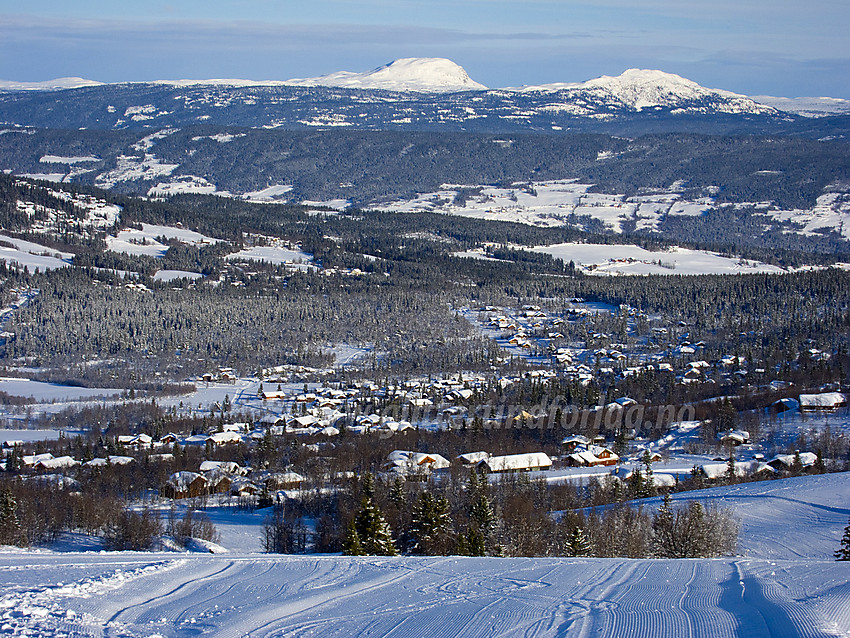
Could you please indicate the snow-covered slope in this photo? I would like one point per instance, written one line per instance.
(786, 584)
(424, 75)
(641, 89)
(48, 85)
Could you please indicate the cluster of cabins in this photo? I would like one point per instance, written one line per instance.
(411, 464)
(228, 478)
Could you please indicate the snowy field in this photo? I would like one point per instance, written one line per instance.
(145, 241)
(171, 275)
(784, 584)
(276, 255)
(33, 256)
(29, 435)
(41, 391)
(610, 259)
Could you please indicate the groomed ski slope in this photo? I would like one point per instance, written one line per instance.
(789, 587)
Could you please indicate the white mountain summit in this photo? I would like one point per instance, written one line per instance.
(424, 75)
(641, 89)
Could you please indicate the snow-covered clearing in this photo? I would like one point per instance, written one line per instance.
(33, 256)
(832, 211)
(41, 391)
(185, 184)
(785, 584)
(551, 203)
(145, 241)
(28, 435)
(271, 194)
(276, 255)
(76, 159)
(171, 275)
(613, 259)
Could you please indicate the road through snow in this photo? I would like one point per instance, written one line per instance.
(255, 595)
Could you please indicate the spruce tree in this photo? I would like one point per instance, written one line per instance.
(647, 488)
(577, 543)
(10, 526)
(843, 552)
(351, 544)
(731, 474)
(373, 531)
(431, 527)
(476, 543)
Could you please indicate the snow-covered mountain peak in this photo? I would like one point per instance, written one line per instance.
(640, 89)
(425, 75)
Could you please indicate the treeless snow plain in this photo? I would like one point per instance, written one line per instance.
(785, 584)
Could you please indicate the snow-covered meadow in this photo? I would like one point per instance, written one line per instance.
(613, 259)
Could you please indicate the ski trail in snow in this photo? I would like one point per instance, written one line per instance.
(43, 612)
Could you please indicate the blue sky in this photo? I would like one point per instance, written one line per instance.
(754, 47)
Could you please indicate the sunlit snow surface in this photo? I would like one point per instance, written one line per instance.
(785, 587)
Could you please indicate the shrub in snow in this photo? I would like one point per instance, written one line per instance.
(133, 531)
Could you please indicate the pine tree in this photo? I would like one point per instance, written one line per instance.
(398, 492)
(577, 543)
(647, 489)
(431, 527)
(10, 526)
(351, 544)
(797, 464)
(482, 515)
(373, 531)
(476, 544)
(843, 552)
(820, 465)
(731, 474)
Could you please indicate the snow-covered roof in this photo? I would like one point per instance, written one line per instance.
(515, 462)
(221, 438)
(57, 463)
(32, 459)
(473, 458)
(230, 467)
(787, 460)
(112, 460)
(182, 480)
(822, 400)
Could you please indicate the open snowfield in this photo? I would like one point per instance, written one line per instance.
(784, 584)
(144, 242)
(42, 391)
(611, 259)
(276, 255)
(33, 256)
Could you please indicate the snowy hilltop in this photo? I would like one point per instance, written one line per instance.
(425, 75)
(640, 89)
(48, 85)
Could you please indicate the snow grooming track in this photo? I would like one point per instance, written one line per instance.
(407, 597)
(40, 611)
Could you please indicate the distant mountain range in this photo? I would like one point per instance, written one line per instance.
(407, 94)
